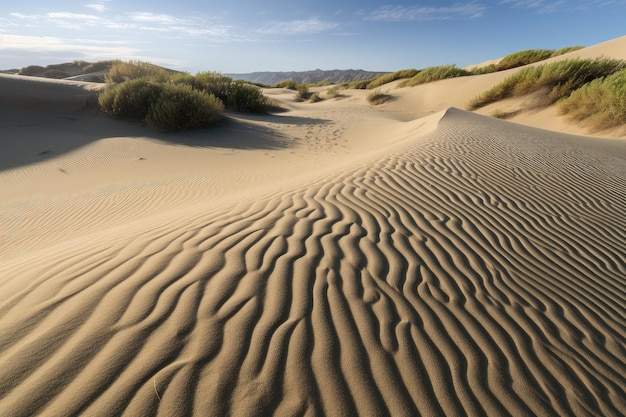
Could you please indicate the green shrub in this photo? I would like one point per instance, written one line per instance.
(333, 92)
(431, 74)
(303, 92)
(315, 97)
(387, 78)
(32, 70)
(55, 73)
(359, 85)
(182, 78)
(378, 97)
(180, 107)
(289, 84)
(213, 83)
(130, 99)
(600, 103)
(124, 71)
(246, 98)
(559, 79)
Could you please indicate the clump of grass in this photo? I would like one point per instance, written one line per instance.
(524, 57)
(600, 103)
(333, 92)
(32, 70)
(530, 56)
(315, 97)
(487, 69)
(289, 84)
(387, 78)
(559, 79)
(500, 114)
(124, 71)
(56, 73)
(359, 85)
(566, 50)
(98, 66)
(431, 74)
(303, 92)
(378, 97)
(180, 107)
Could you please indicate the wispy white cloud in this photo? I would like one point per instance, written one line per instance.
(93, 49)
(148, 17)
(310, 26)
(545, 6)
(191, 27)
(416, 13)
(24, 16)
(98, 7)
(540, 6)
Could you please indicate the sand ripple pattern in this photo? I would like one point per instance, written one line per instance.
(470, 273)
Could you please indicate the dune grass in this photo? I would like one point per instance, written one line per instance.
(559, 79)
(289, 84)
(387, 78)
(530, 56)
(378, 97)
(121, 71)
(437, 73)
(600, 104)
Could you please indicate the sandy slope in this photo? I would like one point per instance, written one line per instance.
(336, 259)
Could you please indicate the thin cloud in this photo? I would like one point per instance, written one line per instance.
(190, 27)
(310, 26)
(24, 16)
(147, 17)
(420, 13)
(93, 49)
(545, 7)
(99, 7)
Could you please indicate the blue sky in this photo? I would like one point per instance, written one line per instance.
(249, 35)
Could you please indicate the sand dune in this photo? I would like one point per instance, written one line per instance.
(336, 259)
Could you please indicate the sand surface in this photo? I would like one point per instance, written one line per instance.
(335, 259)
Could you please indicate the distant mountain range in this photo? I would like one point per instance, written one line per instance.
(308, 77)
(94, 72)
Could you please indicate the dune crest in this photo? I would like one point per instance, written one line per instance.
(473, 267)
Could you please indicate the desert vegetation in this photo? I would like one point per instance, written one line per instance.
(530, 56)
(600, 103)
(169, 101)
(378, 97)
(68, 69)
(387, 78)
(431, 74)
(558, 80)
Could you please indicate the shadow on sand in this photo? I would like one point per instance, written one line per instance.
(29, 136)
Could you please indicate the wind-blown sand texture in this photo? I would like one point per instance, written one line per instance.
(336, 259)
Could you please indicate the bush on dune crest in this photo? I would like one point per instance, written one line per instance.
(121, 71)
(169, 101)
(180, 107)
(559, 79)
